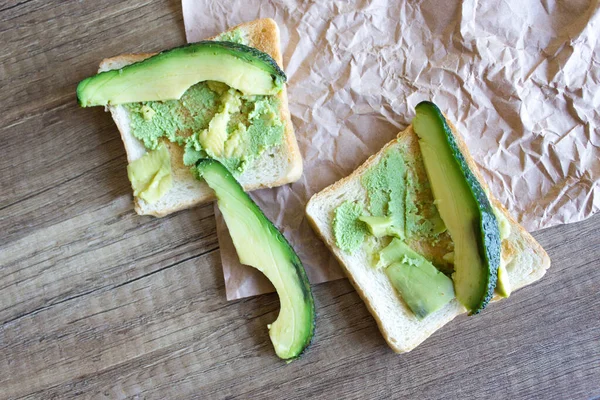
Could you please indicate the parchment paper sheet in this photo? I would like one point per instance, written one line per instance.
(520, 80)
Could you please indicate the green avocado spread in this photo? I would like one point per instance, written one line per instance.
(235, 36)
(212, 120)
(349, 231)
(150, 175)
(393, 197)
(398, 212)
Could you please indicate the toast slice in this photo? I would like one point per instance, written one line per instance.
(276, 166)
(526, 261)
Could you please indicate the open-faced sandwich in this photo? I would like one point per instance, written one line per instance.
(210, 120)
(224, 98)
(419, 234)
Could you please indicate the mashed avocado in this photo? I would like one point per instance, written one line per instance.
(211, 119)
(348, 230)
(150, 175)
(173, 119)
(394, 192)
(214, 137)
(386, 188)
(235, 36)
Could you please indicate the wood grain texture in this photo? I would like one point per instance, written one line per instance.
(98, 302)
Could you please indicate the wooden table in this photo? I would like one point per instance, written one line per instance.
(96, 301)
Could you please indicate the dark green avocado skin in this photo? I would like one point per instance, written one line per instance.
(489, 233)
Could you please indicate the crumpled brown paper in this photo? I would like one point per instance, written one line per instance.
(520, 80)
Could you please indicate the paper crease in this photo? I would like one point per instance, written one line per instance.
(520, 80)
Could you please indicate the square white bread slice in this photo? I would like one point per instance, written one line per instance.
(526, 261)
(274, 167)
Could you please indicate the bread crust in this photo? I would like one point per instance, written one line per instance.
(518, 234)
(262, 34)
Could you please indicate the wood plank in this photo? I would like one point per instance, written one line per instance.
(50, 51)
(96, 301)
(174, 327)
(81, 255)
(53, 45)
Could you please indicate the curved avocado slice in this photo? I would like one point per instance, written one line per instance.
(167, 75)
(259, 244)
(464, 208)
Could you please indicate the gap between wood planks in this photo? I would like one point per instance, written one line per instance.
(107, 287)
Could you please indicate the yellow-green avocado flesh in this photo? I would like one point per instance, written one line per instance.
(503, 286)
(464, 208)
(259, 244)
(211, 120)
(420, 284)
(150, 175)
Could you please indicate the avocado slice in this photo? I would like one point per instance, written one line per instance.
(464, 208)
(150, 175)
(420, 284)
(391, 253)
(167, 75)
(259, 244)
